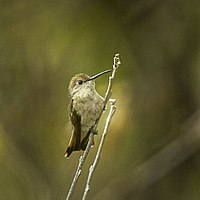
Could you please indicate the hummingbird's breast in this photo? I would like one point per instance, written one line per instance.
(89, 104)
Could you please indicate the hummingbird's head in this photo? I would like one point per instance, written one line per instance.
(82, 80)
(77, 83)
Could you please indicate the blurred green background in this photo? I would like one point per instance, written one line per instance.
(44, 43)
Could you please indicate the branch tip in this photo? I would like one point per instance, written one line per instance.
(117, 61)
(112, 101)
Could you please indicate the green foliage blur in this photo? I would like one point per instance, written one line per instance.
(44, 43)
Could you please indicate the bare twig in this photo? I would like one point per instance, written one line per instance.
(91, 138)
(93, 166)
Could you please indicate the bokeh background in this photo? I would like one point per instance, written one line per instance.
(44, 43)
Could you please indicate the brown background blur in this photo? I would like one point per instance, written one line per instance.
(157, 87)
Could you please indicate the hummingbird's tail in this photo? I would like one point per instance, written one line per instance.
(74, 144)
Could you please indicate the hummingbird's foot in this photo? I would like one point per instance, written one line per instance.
(95, 132)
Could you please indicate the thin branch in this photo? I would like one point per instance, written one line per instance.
(116, 63)
(93, 166)
(91, 138)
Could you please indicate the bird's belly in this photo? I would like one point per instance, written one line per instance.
(89, 108)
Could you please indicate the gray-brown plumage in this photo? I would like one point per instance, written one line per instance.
(84, 109)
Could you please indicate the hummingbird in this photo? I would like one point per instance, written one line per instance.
(85, 107)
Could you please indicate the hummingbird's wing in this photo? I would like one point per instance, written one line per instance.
(74, 143)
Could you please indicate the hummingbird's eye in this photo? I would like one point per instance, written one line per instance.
(79, 82)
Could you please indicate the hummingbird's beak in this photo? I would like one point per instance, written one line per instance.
(99, 74)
